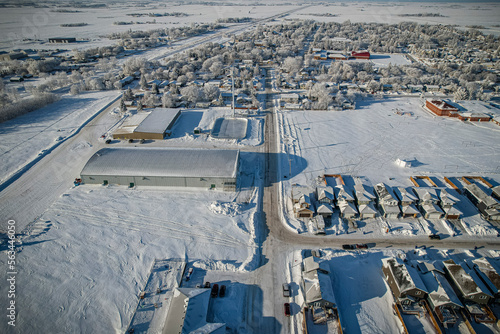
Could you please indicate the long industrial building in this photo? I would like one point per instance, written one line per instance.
(167, 167)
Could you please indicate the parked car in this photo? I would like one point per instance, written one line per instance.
(361, 246)
(207, 285)
(286, 290)
(215, 290)
(287, 309)
(348, 247)
(108, 141)
(435, 237)
(130, 140)
(141, 141)
(222, 291)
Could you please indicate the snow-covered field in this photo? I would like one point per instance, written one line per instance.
(28, 27)
(30, 135)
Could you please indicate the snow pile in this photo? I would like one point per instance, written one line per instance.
(228, 209)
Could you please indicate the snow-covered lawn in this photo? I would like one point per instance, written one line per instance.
(363, 145)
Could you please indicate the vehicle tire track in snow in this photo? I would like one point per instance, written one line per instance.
(148, 218)
(129, 224)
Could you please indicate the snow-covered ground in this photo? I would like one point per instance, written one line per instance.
(83, 263)
(30, 135)
(364, 144)
(28, 27)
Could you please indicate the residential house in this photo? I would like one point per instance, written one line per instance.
(387, 202)
(489, 275)
(325, 195)
(448, 204)
(408, 201)
(324, 209)
(365, 200)
(487, 205)
(467, 288)
(404, 281)
(316, 283)
(428, 201)
(345, 203)
(441, 298)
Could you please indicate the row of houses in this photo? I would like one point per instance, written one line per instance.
(446, 286)
(365, 203)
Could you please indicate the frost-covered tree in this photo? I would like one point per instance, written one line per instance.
(154, 89)
(192, 94)
(123, 107)
(168, 101)
(211, 92)
(143, 83)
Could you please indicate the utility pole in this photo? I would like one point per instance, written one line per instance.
(232, 88)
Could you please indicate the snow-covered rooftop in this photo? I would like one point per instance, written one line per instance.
(163, 162)
(188, 312)
(463, 280)
(406, 277)
(158, 120)
(440, 291)
(489, 274)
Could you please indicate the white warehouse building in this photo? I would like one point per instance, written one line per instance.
(167, 167)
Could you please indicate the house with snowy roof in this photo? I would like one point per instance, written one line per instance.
(448, 204)
(487, 205)
(188, 313)
(387, 202)
(466, 286)
(403, 280)
(324, 210)
(441, 297)
(408, 201)
(365, 200)
(325, 195)
(316, 284)
(347, 209)
(341, 193)
(489, 275)
(428, 202)
(302, 202)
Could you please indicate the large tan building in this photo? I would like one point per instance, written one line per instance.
(154, 126)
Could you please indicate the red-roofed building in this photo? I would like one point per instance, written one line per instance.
(360, 54)
(441, 108)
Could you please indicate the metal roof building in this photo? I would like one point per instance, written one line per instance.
(169, 167)
(188, 313)
(154, 126)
